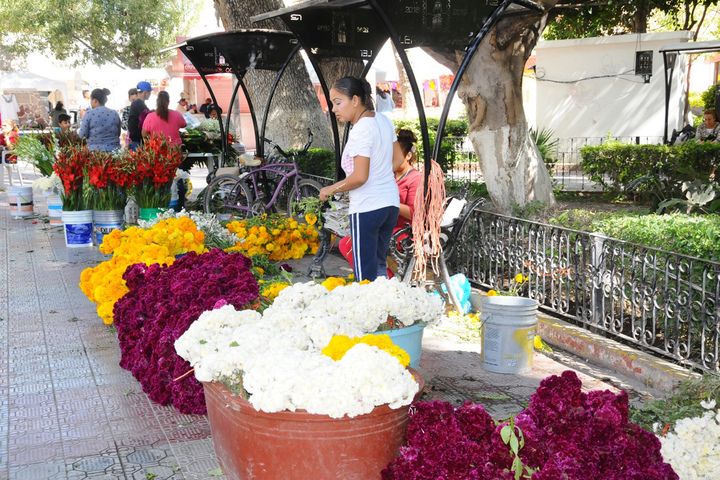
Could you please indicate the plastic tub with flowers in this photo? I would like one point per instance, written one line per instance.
(300, 391)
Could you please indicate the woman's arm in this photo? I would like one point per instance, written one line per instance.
(356, 179)
(145, 134)
(84, 130)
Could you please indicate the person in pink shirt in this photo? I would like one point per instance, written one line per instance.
(164, 121)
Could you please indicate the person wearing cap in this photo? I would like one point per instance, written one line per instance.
(182, 106)
(137, 107)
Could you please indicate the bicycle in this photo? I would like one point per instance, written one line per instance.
(257, 190)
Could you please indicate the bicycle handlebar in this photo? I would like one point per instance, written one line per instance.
(282, 152)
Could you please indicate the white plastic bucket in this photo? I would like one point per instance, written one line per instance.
(106, 221)
(78, 228)
(21, 201)
(55, 209)
(508, 330)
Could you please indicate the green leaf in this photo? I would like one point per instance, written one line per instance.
(234, 344)
(514, 444)
(484, 396)
(150, 475)
(505, 433)
(216, 473)
(203, 342)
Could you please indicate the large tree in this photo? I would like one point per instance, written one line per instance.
(128, 33)
(295, 106)
(492, 93)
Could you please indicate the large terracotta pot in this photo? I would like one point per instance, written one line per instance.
(254, 445)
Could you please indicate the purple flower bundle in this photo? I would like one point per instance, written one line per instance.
(162, 303)
(568, 434)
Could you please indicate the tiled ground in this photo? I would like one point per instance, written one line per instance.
(68, 411)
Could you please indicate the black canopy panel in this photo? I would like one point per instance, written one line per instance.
(255, 49)
(338, 32)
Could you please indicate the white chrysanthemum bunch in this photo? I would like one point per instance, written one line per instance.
(51, 183)
(278, 355)
(693, 449)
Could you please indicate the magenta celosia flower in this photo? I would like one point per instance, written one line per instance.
(568, 434)
(162, 303)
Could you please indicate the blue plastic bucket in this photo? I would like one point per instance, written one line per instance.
(409, 339)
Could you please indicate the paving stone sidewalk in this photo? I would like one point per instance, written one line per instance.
(68, 411)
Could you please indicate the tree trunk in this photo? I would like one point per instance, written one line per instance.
(295, 106)
(491, 90)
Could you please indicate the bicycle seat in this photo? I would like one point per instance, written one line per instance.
(249, 160)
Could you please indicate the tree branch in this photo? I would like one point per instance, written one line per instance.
(96, 52)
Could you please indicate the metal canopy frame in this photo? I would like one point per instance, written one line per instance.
(237, 52)
(455, 24)
(670, 53)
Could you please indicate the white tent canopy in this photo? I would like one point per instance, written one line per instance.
(31, 81)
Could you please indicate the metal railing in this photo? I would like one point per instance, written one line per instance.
(666, 303)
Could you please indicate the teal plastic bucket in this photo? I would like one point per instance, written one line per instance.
(409, 339)
(508, 330)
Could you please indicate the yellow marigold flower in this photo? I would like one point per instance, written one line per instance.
(492, 293)
(519, 278)
(364, 282)
(332, 282)
(310, 218)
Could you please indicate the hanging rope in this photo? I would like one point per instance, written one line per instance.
(426, 221)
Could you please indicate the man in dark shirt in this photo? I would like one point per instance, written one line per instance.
(205, 107)
(132, 95)
(137, 107)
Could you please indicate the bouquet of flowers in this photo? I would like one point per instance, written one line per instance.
(278, 237)
(30, 149)
(51, 184)
(160, 306)
(109, 177)
(308, 350)
(564, 433)
(70, 166)
(155, 166)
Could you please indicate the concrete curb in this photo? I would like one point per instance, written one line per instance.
(651, 371)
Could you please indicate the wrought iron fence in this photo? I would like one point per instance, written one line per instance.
(660, 301)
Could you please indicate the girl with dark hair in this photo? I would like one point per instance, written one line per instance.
(56, 112)
(407, 177)
(370, 156)
(164, 121)
(100, 125)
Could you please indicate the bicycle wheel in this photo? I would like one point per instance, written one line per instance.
(306, 188)
(225, 195)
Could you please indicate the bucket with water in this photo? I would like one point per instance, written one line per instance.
(55, 209)
(508, 330)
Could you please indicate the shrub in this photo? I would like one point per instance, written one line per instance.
(318, 161)
(617, 165)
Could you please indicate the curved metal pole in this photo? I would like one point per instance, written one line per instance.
(222, 130)
(668, 89)
(331, 115)
(229, 114)
(461, 71)
(411, 77)
(274, 88)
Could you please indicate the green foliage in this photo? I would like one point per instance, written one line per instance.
(695, 100)
(707, 98)
(318, 161)
(547, 146)
(129, 33)
(620, 167)
(684, 402)
(692, 235)
(476, 189)
(453, 129)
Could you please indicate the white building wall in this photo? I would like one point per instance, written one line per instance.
(587, 87)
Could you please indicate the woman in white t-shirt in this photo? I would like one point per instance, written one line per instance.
(369, 159)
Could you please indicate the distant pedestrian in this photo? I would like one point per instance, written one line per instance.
(85, 103)
(64, 123)
(137, 108)
(100, 125)
(125, 115)
(182, 106)
(164, 121)
(56, 112)
(205, 107)
(383, 101)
